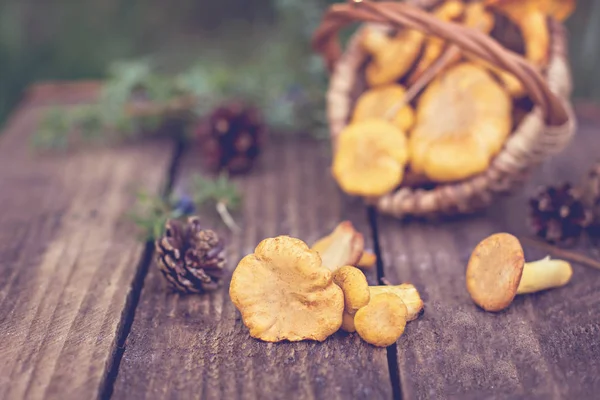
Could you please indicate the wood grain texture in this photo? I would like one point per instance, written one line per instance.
(545, 346)
(67, 256)
(197, 346)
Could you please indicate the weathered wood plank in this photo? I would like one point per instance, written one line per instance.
(194, 346)
(545, 345)
(67, 257)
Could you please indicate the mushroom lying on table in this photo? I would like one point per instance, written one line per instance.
(406, 292)
(382, 321)
(409, 295)
(497, 272)
(343, 246)
(356, 293)
(284, 293)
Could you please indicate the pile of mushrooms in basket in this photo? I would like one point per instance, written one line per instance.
(433, 109)
(437, 110)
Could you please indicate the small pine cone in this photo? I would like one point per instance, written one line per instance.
(558, 215)
(231, 137)
(190, 258)
(591, 189)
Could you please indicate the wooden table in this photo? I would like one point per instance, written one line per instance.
(84, 312)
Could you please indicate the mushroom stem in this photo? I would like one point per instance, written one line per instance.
(544, 274)
(536, 36)
(226, 217)
(375, 41)
(407, 293)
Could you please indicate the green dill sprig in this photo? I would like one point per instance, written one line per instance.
(289, 93)
(108, 120)
(220, 193)
(151, 212)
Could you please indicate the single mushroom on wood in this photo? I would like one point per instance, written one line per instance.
(284, 293)
(497, 272)
(409, 295)
(355, 287)
(382, 321)
(406, 292)
(343, 246)
(356, 293)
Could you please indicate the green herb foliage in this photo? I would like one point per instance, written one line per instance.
(280, 75)
(151, 212)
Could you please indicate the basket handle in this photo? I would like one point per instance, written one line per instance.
(327, 43)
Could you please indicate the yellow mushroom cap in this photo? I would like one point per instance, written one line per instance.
(494, 271)
(355, 287)
(377, 102)
(370, 158)
(463, 120)
(531, 18)
(409, 295)
(382, 321)
(392, 56)
(284, 293)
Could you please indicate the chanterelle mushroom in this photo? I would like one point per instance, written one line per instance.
(377, 102)
(382, 321)
(355, 287)
(370, 158)
(530, 16)
(463, 119)
(343, 246)
(392, 56)
(409, 295)
(434, 46)
(497, 272)
(356, 293)
(284, 293)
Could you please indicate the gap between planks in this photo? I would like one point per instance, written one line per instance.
(392, 351)
(127, 316)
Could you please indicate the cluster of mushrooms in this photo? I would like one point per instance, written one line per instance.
(288, 291)
(452, 129)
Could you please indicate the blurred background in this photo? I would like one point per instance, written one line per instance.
(66, 39)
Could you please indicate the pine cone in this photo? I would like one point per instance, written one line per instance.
(231, 137)
(558, 215)
(591, 189)
(190, 258)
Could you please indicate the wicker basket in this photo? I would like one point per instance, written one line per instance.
(545, 130)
